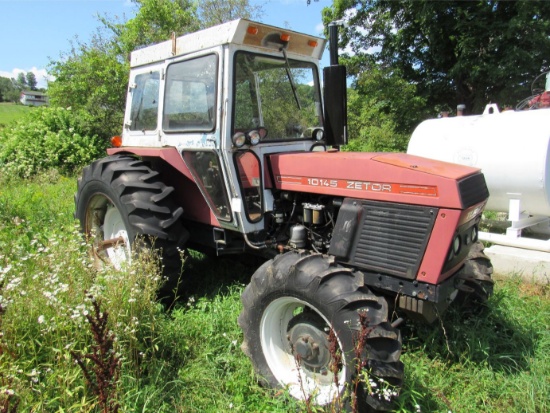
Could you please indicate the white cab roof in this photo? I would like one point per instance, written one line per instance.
(238, 32)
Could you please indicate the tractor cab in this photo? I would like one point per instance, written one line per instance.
(225, 98)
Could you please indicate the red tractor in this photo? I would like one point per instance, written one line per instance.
(230, 147)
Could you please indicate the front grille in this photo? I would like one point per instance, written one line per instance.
(473, 190)
(390, 238)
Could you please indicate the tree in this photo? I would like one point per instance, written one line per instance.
(213, 12)
(93, 80)
(31, 81)
(369, 130)
(21, 81)
(470, 52)
(8, 92)
(382, 110)
(94, 76)
(155, 21)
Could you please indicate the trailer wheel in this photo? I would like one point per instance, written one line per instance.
(120, 200)
(289, 309)
(478, 283)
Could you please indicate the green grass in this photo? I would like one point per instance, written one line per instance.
(10, 112)
(188, 359)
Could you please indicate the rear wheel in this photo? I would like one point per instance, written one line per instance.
(313, 328)
(120, 199)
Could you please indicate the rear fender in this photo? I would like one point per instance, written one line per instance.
(175, 172)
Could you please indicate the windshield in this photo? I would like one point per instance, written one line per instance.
(264, 96)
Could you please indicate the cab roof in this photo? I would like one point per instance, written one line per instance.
(238, 32)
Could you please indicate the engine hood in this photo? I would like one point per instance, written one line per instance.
(394, 177)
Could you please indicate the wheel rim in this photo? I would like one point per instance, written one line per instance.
(294, 339)
(104, 223)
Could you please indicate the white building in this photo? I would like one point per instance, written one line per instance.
(33, 98)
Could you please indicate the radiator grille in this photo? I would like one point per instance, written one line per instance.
(392, 238)
(473, 190)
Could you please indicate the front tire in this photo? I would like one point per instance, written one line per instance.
(289, 309)
(478, 283)
(120, 200)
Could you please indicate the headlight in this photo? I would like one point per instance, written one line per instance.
(318, 134)
(474, 234)
(239, 139)
(254, 137)
(455, 248)
(456, 245)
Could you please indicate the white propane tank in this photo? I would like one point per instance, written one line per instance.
(511, 148)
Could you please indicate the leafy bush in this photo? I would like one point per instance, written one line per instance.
(49, 138)
(370, 129)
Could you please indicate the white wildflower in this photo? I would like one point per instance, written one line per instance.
(5, 270)
(13, 284)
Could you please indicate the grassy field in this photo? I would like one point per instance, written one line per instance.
(187, 359)
(10, 112)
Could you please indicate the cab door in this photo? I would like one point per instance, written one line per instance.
(191, 122)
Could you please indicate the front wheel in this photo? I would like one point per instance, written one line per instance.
(478, 283)
(315, 329)
(120, 199)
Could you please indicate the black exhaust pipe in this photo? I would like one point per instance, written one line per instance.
(335, 94)
(333, 43)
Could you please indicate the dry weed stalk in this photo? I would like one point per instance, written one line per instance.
(335, 364)
(360, 356)
(307, 399)
(102, 377)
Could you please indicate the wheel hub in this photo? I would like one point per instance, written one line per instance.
(309, 341)
(306, 348)
(294, 340)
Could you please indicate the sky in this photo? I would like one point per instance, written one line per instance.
(35, 32)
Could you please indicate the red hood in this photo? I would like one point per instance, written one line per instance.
(394, 177)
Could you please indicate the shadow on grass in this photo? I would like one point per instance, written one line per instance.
(415, 393)
(497, 337)
(205, 276)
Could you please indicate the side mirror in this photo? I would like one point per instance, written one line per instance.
(335, 103)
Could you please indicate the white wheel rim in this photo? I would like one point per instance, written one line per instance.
(113, 227)
(300, 382)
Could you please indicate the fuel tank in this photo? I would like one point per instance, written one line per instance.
(511, 148)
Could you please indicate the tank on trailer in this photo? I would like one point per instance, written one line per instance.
(512, 148)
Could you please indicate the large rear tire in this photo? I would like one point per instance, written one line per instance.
(289, 309)
(120, 200)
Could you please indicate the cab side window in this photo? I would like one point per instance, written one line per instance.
(145, 102)
(190, 96)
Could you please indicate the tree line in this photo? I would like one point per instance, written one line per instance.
(411, 60)
(11, 88)
(407, 60)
